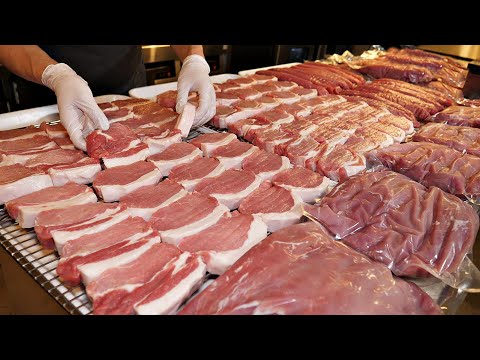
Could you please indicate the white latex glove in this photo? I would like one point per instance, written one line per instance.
(194, 77)
(79, 113)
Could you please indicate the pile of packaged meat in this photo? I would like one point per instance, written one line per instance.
(321, 198)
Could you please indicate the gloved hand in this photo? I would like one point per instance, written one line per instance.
(79, 113)
(194, 77)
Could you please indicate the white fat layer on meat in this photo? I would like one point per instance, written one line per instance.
(146, 213)
(270, 144)
(247, 305)
(227, 120)
(91, 271)
(225, 102)
(267, 175)
(219, 261)
(405, 121)
(301, 160)
(313, 93)
(331, 102)
(126, 160)
(185, 120)
(189, 185)
(26, 136)
(269, 105)
(286, 120)
(207, 148)
(232, 200)
(460, 225)
(131, 239)
(159, 123)
(277, 221)
(309, 195)
(157, 145)
(24, 186)
(169, 303)
(236, 161)
(130, 115)
(111, 193)
(27, 155)
(291, 100)
(28, 214)
(174, 236)
(60, 237)
(397, 134)
(166, 165)
(80, 175)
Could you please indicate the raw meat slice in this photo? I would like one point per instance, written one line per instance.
(113, 183)
(65, 143)
(21, 150)
(397, 134)
(175, 154)
(129, 103)
(284, 97)
(226, 87)
(222, 244)
(159, 143)
(116, 146)
(222, 112)
(461, 138)
(70, 217)
(458, 115)
(382, 68)
(340, 163)
(94, 226)
(275, 205)
(48, 159)
(269, 138)
(209, 142)
(185, 120)
(452, 92)
(93, 248)
(264, 88)
(230, 187)
(118, 115)
(17, 180)
(301, 150)
(115, 256)
(305, 94)
(265, 164)
(167, 99)
(275, 116)
(159, 119)
(241, 105)
(152, 130)
(26, 208)
(18, 134)
(242, 81)
(308, 185)
(286, 76)
(261, 79)
(107, 106)
(400, 223)
(284, 85)
(245, 93)
(240, 128)
(190, 174)
(432, 165)
(227, 115)
(81, 172)
(267, 102)
(226, 98)
(232, 154)
(187, 216)
(297, 110)
(146, 200)
(289, 272)
(54, 131)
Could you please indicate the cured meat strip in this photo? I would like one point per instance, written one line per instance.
(223, 243)
(17, 180)
(398, 222)
(26, 208)
(432, 165)
(289, 272)
(119, 181)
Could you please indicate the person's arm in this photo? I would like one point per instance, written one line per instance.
(26, 61)
(194, 76)
(79, 113)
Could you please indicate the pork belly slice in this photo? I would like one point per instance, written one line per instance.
(458, 115)
(305, 183)
(462, 138)
(187, 216)
(21, 150)
(227, 87)
(283, 85)
(262, 79)
(93, 226)
(297, 110)
(284, 97)
(113, 183)
(54, 131)
(227, 115)
(245, 93)
(304, 93)
(116, 146)
(174, 279)
(230, 187)
(302, 149)
(265, 164)
(118, 115)
(159, 143)
(209, 142)
(223, 243)
(94, 248)
(397, 221)
(175, 154)
(48, 159)
(242, 81)
(73, 217)
(130, 103)
(190, 174)
(275, 205)
(240, 128)
(264, 88)
(17, 180)
(160, 119)
(65, 143)
(432, 165)
(267, 102)
(288, 272)
(81, 172)
(232, 154)
(225, 98)
(146, 200)
(26, 208)
(168, 99)
(399, 122)
(275, 117)
(18, 134)
(270, 138)
(322, 101)
(397, 134)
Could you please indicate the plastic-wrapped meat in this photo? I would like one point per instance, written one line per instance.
(22, 149)
(288, 272)
(450, 91)
(382, 68)
(461, 138)
(399, 222)
(458, 115)
(264, 88)
(432, 165)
